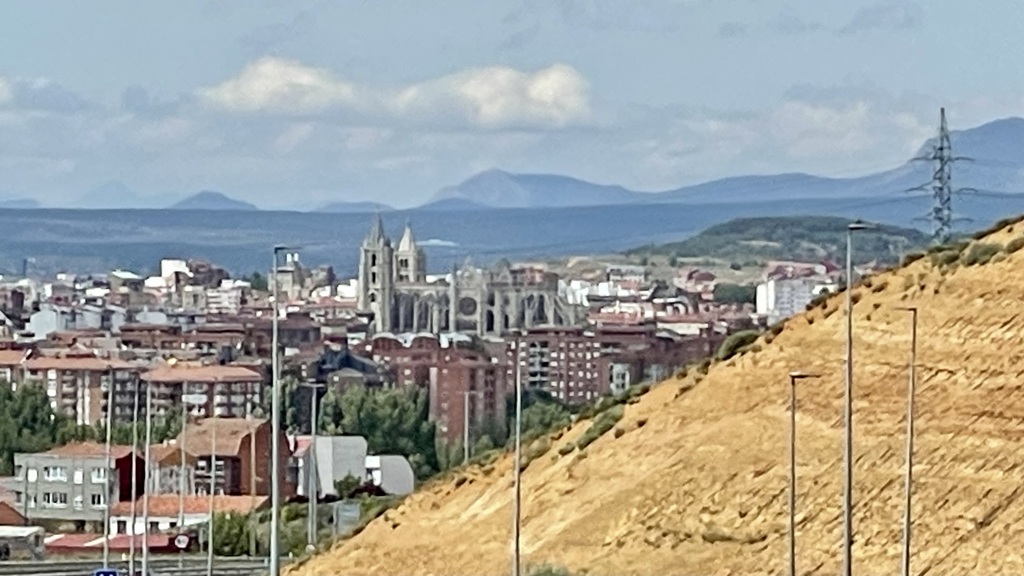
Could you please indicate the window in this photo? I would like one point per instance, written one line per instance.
(78, 476)
(97, 501)
(55, 473)
(55, 499)
(78, 502)
(98, 475)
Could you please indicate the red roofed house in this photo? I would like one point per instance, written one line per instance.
(242, 450)
(165, 511)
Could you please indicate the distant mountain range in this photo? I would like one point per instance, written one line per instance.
(209, 200)
(997, 150)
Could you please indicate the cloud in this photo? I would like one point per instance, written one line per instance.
(490, 97)
(280, 85)
(790, 23)
(40, 95)
(888, 15)
(5, 92)
(502, 97)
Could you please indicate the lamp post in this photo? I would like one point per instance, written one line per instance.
(517, 498)
(106, 470)
(275, 449)
(213, 490)
(793, 377)
(181, 464)
(848, 406)
(148, 479)
(465, 423)
(135, 475)
(313, 474)
(908, 481)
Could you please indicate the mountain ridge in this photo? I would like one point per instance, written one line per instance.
(211, 200)
(694, 478)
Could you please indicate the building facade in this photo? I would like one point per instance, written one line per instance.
(393, 286)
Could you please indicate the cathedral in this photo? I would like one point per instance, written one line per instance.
(393, 285)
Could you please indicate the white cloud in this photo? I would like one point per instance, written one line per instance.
(5, 92)
(499, 96)
(280, 85)
(491, 97)
(292, 137)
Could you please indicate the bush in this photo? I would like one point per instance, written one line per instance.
(819, 301)
(944, 257)
(567, 449)
(702, 367)
(777, 328)
(549, 571)
(879, 287)
(1014, 245)
(911, 258)
(981, 253)
(602, 424)
(735, 342)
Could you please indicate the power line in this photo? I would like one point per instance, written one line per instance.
(941, 184)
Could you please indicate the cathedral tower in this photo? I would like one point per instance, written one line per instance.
(377, 276)
(410, 262)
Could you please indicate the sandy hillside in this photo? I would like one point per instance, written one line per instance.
(700, 487)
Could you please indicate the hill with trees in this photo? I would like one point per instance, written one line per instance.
(804, 238)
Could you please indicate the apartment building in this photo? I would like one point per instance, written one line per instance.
(77, 384)
(224, 391)
(241, 449)
(69, 483)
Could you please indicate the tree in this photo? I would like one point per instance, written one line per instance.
(726, 293)
(28, 424)
(257, 281)
(231, 534)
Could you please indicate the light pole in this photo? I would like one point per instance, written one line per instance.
(275, 449)
(181, 465)
(908, 482)
(313, 473)
(106, 471)
(213, 490)
(793, 377)
(465, 424)
(135, 474)
(517, 498)
(148, 479)
(848, 408)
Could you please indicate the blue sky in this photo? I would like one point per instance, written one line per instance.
(296, 104)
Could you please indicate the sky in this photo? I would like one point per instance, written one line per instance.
(293, 105)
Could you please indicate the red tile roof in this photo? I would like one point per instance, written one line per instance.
(82, 449)
(166, 505)
(199, 437)
(92, 364)
(11, 357)
(192, 373)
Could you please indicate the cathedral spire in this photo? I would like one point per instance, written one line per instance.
(408, 242)
(376, 236)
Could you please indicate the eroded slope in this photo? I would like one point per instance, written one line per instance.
(697, 483)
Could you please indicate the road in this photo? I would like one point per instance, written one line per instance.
(158, 566)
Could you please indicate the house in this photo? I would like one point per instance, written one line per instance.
(241, 449)
(167, 512)
(69, 483)
(336, 458)
(77, 384)
(167, 472)
(209, 389)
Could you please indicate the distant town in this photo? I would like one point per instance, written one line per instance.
(193, 340)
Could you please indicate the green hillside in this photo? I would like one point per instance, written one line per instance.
(791, 238)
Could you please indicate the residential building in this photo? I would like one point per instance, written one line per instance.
(780, 298)
(68, 483)
(165, 512)
(167, 474)
(77, 384)
(208, 389)
(336, 458)
(242, 451)
(392, 473)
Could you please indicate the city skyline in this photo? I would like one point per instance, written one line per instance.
(358, 102)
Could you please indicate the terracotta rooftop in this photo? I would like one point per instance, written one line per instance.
(198, 437)
(82, 449)
(194, 373)
(91, 363)
(11, 357)
(166, 505)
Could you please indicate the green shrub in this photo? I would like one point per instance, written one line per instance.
(567, 449)
(602, 424)
(911, 258)
(735, 342)
(819, 301)
(944, 258)
(777, 328)
(546, 570)
(980, 253)
(702, 367)
(1014, 245)
(534, 451)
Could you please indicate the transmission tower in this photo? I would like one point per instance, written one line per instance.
(941, 184)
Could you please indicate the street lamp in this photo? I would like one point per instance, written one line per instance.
(517, 499)
(848, 409)
(275, 407)
(312, 474)
(465, 423)
(135, 474)
(107, 466)
(793, 377)
(148, 479)
(908, 482)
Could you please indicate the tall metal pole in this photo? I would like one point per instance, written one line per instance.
(135, 475)
(148, 477)
(517, 501)
(313, 474)
(793, 377)
(106, 471)
(848, 411)
(252, 483)
(275, 481)
(908, 483)
(213, 490)
(465, 428)
(181, 471)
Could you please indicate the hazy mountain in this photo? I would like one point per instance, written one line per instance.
(19, 203)
(209, 200)
(499, 189)
(453, 205)
(996, 164)
(355, 207)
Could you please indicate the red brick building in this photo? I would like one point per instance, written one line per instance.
(242, 448)
(460, 375)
